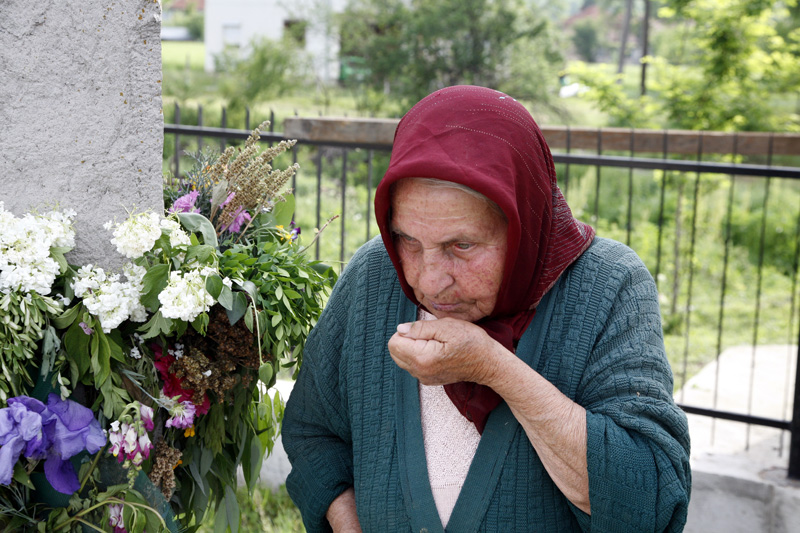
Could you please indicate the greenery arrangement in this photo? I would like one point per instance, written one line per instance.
(131, 399)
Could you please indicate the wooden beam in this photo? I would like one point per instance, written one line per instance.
(378, 131)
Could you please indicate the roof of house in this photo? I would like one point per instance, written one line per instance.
(184, 4)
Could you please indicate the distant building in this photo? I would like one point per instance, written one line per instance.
(234, 23)
(173, 11)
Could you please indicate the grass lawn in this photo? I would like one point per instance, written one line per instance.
(183, 54)
(264, 511)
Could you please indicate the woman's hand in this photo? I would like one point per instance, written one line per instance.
(440, 352)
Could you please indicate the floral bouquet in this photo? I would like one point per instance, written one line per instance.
(131, 399)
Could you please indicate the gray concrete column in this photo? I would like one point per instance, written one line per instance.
(80, 112)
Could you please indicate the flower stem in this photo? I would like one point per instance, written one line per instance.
(334, 217)
(87, 524)
(91, 469)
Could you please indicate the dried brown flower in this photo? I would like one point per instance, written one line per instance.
(224, 358)
(162, 474)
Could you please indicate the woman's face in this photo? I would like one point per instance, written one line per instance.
(452, 247)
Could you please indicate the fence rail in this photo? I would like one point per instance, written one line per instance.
(720, 230)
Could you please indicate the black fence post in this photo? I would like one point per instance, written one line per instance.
(177, 155)
(223, 125)
(794, 431)
(200, 124)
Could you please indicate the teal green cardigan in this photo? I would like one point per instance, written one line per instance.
(353, 418)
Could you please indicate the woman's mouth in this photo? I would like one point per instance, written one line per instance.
(445, 307)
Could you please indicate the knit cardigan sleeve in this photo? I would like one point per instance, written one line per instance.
(637, 438)
(316, 430)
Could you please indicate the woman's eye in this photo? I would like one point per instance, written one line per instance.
(405, 239)
(463, 245)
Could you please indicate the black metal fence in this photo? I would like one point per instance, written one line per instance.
(719, 232)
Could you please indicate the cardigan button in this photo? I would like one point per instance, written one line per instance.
(423, 530)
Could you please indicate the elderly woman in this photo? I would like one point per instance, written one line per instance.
(488, 364)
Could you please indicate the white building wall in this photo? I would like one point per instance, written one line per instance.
(238, 22)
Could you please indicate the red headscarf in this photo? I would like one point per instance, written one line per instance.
(488, 141)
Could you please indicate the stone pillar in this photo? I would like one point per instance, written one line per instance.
(80, 113)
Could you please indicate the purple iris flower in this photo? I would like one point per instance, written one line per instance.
(185, 204)
(56, 431)
(73, 430)
(20, 429)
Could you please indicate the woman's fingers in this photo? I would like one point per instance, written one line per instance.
(439, 352)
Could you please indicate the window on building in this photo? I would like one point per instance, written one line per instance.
(232, 35)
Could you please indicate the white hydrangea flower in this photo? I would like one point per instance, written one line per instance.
(135, 277)
(185, 296)
(25, 243)
(177, 236)
(108, 298)
(137, 234)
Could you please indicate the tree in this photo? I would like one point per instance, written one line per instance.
(413, 48)
(586, 39)
(739, 55)
(265, 69)
(743, 62)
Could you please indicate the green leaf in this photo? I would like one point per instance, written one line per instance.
(152, 284)
(140, 522)
(194, 470)
(50, 346)
(57, 253)
(200, 323)
(219, 193)
(279, 292)
(200, 252)
(282, 212)
(67, 317)
(239, 307)
(265, 373)
(21, 475)
(251, 461)
(220, 521)
(292, 293)
(155, 326)
(197, 223)
(214, 285)
(226, 298)
(251, 289)
(100, 357)
(276, 319)
(248, 321)
(232, 509)
(206, 460)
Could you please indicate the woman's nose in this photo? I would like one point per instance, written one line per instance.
(435, 273)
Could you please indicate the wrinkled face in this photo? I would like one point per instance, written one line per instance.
(452, 246)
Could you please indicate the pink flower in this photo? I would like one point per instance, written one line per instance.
(115, 438)
(145, 445)
(242, 217)
(146, 413)
(185, 204)
(173, 385)
(129, 442)
(182, 415)
(115, 518)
